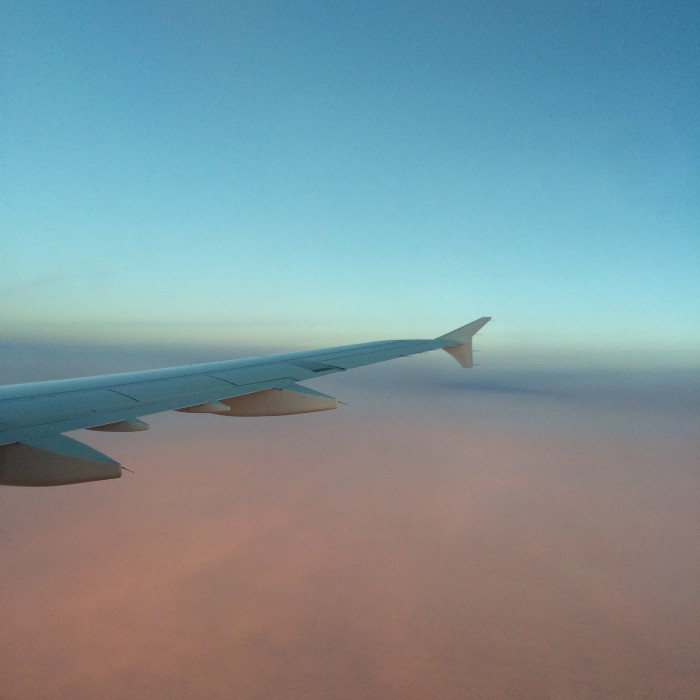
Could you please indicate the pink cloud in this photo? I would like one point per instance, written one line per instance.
(347, 556)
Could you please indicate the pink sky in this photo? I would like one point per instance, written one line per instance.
(373, 552)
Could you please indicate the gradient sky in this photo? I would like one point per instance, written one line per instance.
(184, 182)
(303, 173)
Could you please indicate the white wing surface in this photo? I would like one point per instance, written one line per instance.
(33, 417)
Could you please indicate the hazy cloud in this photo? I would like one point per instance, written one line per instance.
(397, 548)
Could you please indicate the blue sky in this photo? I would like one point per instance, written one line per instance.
(312, 173)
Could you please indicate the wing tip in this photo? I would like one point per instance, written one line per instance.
(464, 333)
(458, 342)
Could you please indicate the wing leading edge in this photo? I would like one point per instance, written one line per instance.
(33, 417)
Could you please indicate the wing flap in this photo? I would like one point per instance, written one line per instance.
(159, 389)
(40, 409)
(263, 372)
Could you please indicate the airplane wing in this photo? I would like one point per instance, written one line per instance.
(33, 417)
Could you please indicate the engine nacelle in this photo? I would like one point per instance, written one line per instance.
(54, 461)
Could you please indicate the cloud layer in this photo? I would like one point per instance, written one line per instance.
(449, 543)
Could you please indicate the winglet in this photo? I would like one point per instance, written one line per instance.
(459, 341)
